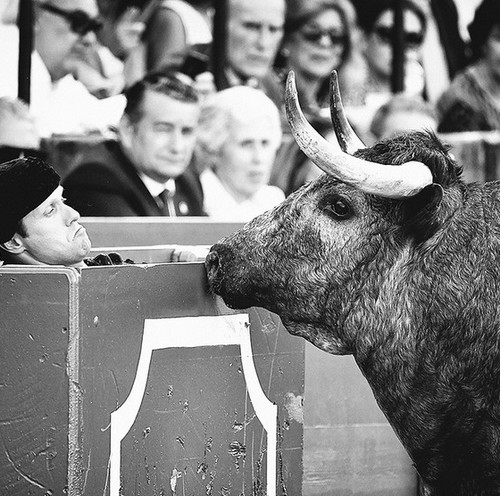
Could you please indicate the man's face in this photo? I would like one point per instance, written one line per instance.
(56, 39)
(254, 32)
(379, 46)
(161, 143)
(53, 233)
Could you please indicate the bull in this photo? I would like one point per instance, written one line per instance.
(391, 257)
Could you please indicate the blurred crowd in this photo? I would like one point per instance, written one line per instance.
(188, 96)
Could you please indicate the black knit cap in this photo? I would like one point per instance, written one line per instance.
(25, 183)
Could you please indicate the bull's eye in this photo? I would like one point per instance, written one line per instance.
(336, 206)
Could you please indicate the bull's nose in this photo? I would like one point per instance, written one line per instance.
(212, 265)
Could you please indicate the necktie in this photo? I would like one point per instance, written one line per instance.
(165, 201)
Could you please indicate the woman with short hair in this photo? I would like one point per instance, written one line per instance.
(238, 135)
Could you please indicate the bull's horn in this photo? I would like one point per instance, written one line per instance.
(348, 140)
(377, 179)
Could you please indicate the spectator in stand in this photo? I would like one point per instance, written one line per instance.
(178, 37)
(443, 52)
(99, 63)
(319, 36)
(175, 28)
(59, 103)
(400, 114)
(238, 136)
(254, 32)
(146, 172)
(472, 102)
(377, 22)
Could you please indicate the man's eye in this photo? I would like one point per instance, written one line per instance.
(252, 26)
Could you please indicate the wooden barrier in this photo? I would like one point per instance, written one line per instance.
(140, 231)
(135, 380)
(477, 152)
(349, 446)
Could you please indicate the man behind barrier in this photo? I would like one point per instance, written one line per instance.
(36, 226)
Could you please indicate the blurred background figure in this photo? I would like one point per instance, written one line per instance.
(373, 86)
(175, 29)
(59, 103)
(254, 32)
(146, 172)
(238, 136)
(319, 36)
(472, 102)
(377, 23)
(99, 62)
(18, 134)
(443, 52)
(400, 114)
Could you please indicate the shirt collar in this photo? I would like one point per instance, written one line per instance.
(154, 187)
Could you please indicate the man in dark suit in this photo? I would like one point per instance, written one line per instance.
(146, 172)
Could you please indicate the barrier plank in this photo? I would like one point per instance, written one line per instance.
(38, 329)
(140, 231)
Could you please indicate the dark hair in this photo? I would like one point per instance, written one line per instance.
(113, 9)
(487, 16)
(371, 11)
(173, 84)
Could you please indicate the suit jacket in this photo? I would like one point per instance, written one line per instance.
(106, 184)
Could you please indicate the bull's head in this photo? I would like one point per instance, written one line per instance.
(333, 259)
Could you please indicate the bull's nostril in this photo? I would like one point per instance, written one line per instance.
(212, 265)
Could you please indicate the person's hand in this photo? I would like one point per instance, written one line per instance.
(189, 253)
(129, 30)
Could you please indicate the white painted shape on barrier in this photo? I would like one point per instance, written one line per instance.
(191, 332)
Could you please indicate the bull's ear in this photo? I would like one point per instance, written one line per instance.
(421, 213)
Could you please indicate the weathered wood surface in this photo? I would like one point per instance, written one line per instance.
(349, 447)
(200, 426)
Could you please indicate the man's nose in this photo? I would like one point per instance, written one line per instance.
(265, 37)
(71, 215)
(177, 141)
(88, 39)
(258, 153)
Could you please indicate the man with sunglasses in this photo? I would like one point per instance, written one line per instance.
(59, 103)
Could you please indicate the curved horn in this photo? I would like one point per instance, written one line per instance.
(348, 140)
(378, 179)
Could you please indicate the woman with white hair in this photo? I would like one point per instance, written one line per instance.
(238, 136)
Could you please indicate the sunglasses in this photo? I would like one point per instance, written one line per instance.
(411, 39)
(79, 21)
(317, 36)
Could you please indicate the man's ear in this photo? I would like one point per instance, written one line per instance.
(125, 131)
(15, 245)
